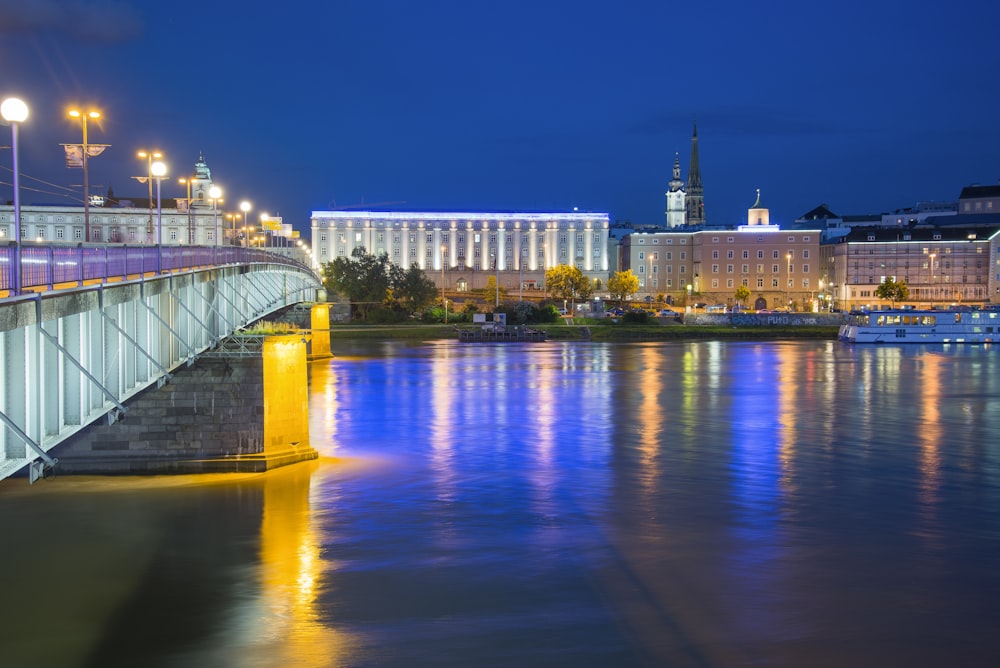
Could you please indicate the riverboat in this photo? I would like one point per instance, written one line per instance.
(500, 335)
(922, 326)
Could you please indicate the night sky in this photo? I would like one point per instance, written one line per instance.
(521, 105)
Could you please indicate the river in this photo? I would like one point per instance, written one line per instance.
(704, 504)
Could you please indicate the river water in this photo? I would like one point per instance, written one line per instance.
(699, 504)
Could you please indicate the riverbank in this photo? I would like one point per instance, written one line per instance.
(611, 333)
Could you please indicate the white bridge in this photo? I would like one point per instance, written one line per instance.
(76, 348)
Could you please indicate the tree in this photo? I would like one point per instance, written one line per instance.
(372, 280)
(621, 285)
(893, 291)
(411, 289)
(566, 282)
(742, 294)
(362, 278)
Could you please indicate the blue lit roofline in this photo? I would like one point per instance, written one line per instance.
(460, 216)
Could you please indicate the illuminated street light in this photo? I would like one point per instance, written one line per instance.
(92, 114)
(158, 171)
(186, 181)
(215, 194)
(788, 266)
(245, 207)
(15, 112)
(149, 157)
(444, 302)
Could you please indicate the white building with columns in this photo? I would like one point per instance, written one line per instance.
(464, 249)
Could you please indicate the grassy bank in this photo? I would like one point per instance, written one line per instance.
(623, 333)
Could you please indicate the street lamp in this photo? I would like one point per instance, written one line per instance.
(83, 116)
(932, 279)
(215, 194)
(186, 181)
(150, 156)
(245, 208)
(788, 269)
(443, 302)
(15, 112)
(496, 269)
(158, 170)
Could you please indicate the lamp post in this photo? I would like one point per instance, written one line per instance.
(215, 194)
(15, 112)
(443, 302)
(83, 116)
(245, 208)
(150, 156)
(496, 280)
(788, 269)
(932, 279)
(158, 170)
(186, 181)
(649, 280)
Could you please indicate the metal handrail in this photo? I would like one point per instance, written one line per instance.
(51, 266)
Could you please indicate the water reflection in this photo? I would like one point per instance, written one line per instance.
(687, 504)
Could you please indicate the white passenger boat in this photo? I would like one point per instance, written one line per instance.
(931, 326)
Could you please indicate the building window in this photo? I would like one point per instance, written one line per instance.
(746, 269)
(730, 268)
(805, 269)
(805, 254)
(760, 282)
(715, 269)
(715, 255)
(774, 269)
(746, 255)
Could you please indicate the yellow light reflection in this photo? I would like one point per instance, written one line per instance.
(650, 415)
(795, 376)
(930, 434)
(290, 572)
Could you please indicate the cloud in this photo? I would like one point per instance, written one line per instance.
(89, 21)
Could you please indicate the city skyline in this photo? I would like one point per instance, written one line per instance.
(525, 107)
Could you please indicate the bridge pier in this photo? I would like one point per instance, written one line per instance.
(220, 415)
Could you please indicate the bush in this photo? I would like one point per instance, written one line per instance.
(637, 318)
(385, 316)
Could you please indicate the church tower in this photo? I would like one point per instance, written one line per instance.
(675, 197)
(695, 201)
(758, 214)
(201, 182)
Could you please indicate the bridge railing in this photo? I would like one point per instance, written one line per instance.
(47, 266)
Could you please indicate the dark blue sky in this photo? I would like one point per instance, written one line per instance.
(518, 105)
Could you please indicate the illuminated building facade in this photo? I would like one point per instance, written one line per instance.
(941, 265)
(124, 221)
(780, 268)
(465, 249)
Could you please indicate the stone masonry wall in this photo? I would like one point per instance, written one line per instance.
(211, 410)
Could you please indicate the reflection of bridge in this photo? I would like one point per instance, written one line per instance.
(96, 325)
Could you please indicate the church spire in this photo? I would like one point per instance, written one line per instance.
(695, 200)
